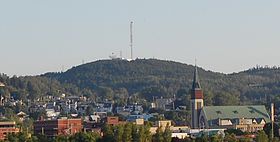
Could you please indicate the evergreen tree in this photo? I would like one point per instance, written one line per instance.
(147, 133)
(216, 138)
(262, 137)
(61, 138)
(158, 137)
(108, 134)
(118, 133)
(167, 134)
(136, 133)
(127, 135)
(84, 137)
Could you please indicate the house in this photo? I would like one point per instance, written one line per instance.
(164, 103)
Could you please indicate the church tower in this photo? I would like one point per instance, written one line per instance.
(196, 100)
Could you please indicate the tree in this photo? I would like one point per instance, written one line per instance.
(224, 98)
(89, 110)
(245, 140)
(237, 132)
(108, 135)
(137, 133)
(167, 134)
(127, 135)
(158, 137)
(147, 133)
(216, 138)
(203, 138)
(61, 138)
(84, 137)
(17, 137)
(230, 138)
(262, 137)
(118, 133)
(267, 129)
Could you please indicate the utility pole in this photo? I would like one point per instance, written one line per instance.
(272, 120)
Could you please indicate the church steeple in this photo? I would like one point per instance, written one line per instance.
(196, 84)
(196, 100)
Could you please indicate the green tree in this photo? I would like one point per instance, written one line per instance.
(17, 137)
(118, 133)
(267, 129)
(245, 140)
(108, 134)
(216, 138)
(158, 137)
(84, 137)
(225, 98)
(147, 133)
(137, 133)
(89, 110)
(127, 135)
(61, 138)
(203, 138)
(230, 138)
(262, 137)
(167, 134)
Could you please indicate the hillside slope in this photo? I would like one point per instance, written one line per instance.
(148, 78)
(165, 78)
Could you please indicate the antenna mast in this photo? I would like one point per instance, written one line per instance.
(131, 41)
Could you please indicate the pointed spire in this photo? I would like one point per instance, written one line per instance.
(196, 84)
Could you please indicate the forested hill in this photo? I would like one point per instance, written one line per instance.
(148, 78)
(135, 76)
(151, 77)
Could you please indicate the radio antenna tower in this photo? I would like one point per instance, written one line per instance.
(131, 41)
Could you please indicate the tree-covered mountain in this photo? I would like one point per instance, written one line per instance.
(149, 78)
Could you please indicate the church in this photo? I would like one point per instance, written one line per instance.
(249, 118)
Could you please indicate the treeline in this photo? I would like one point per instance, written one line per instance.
(136, 134)
(121, 133)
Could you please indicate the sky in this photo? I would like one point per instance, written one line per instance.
(39, 36)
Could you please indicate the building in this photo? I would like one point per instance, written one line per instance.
(196, 100)
(56, 127)
(164, 103)
(112, 120)
(7, 127)
(246, 118)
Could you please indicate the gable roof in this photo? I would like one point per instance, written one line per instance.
(232, 112)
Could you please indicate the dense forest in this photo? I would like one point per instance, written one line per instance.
(145, 79)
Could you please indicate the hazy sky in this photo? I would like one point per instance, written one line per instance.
(38, 36)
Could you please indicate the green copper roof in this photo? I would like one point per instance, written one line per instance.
(232, 112)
